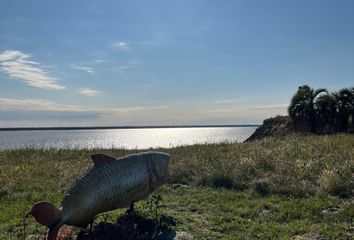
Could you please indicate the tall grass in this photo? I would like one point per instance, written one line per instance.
(295, 166)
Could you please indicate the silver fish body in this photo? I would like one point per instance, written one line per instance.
(111, 185)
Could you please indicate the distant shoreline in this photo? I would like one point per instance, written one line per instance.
(122, 127)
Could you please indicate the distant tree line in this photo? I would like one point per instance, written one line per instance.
(323, 112)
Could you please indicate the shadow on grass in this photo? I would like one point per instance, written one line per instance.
(222, 182)
(132, 226)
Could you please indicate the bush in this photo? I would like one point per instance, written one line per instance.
(337, 183)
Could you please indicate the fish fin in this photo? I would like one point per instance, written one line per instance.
(53, 232)
(101, 159)
(45, 213)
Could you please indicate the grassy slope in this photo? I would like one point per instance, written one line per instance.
(273, 127)
(279, 187)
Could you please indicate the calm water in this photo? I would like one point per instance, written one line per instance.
(122, 138)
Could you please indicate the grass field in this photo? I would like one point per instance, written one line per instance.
(296, 187)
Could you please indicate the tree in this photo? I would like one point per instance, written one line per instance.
(302, 108)
(326, 114)
(344, 107)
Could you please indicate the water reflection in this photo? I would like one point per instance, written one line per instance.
(122, 138)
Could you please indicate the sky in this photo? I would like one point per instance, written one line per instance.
(109, 62)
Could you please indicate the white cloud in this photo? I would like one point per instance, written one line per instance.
(88, 92)
(225, 101)
(121, 45)
(262, 108)
(43, 105)
(10, 104)
(42, 112)
(9, 55)
(274, 106)
(83, 68)
(18, 66)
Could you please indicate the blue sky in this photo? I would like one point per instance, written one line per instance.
(74, 63)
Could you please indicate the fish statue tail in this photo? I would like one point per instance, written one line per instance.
(48, 215)
(53, 232)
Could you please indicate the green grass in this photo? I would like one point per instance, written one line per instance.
(266, 189)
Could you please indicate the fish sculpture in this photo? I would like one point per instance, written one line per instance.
(110, 184)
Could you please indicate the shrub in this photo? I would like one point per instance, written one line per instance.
(337, 183)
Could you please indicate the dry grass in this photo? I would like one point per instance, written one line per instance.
(295, 165)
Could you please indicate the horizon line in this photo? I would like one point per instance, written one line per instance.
(125, 127)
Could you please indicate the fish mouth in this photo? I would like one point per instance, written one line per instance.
(158, 168)
(162, 165)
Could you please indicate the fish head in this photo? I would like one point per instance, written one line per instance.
(159, 162)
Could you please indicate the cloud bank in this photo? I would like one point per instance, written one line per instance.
(42, 112)
(43, 105)
(18, 66)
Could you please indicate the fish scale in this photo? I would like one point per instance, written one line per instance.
(110, 184)
(95, 194)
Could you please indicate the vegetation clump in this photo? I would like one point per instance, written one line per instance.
(318, 111)
(130, 227)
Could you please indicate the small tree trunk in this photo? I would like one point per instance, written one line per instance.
(312, 123)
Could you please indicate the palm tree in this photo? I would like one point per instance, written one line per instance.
(344, 107)
(302, 108)
(326, 114)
